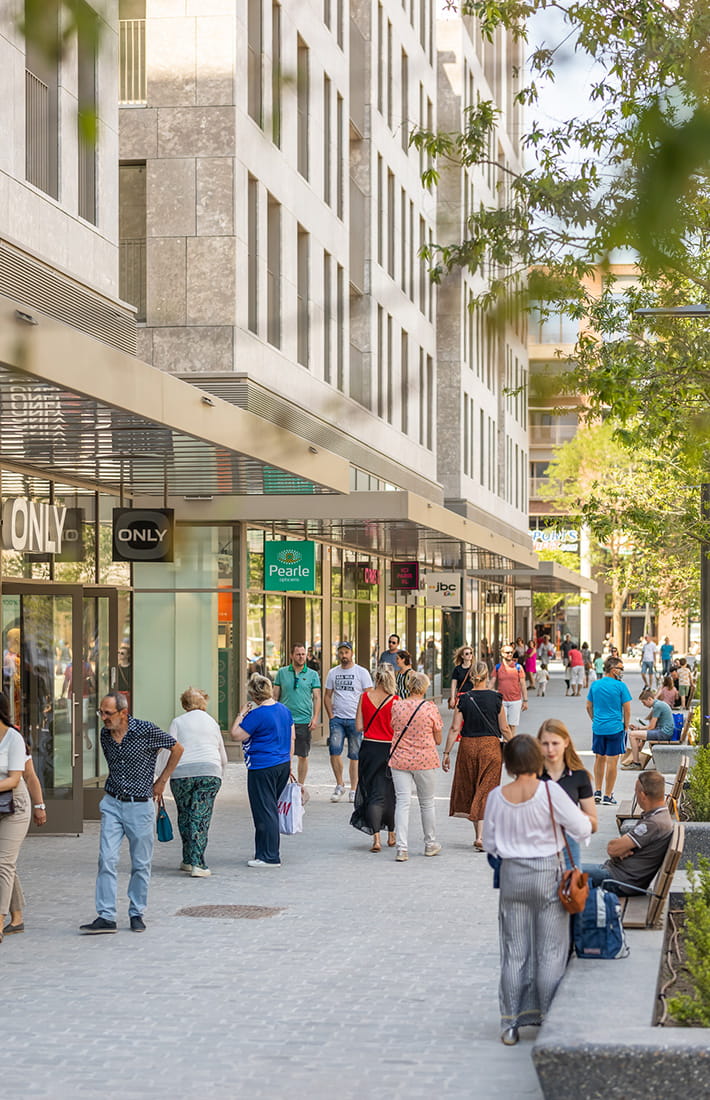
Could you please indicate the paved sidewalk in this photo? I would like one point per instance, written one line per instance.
(375, 980)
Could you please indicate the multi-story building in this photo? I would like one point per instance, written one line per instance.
(214, 321)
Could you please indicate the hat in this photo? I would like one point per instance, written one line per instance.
(343, 645)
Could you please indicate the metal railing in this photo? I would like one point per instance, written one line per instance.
(39, 163)
(132, 77)
(132, 275)
(552, 433)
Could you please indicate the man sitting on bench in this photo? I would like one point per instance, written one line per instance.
(660, 728)
(636, 855)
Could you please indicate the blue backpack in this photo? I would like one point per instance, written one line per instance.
(678, 723)
(598, 931)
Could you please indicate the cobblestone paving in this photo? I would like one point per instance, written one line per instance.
(376, 980)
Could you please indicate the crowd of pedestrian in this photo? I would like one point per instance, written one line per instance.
(393, 732)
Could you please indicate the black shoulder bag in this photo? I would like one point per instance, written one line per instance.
(486, 721)
(388, 770)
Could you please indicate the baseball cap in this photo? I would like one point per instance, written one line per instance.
(343, 645)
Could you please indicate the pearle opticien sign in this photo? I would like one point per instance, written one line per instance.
(289, 566)
(32, 528)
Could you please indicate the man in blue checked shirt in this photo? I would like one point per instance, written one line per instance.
(130, 746)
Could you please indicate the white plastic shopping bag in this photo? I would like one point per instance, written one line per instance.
(291, 809)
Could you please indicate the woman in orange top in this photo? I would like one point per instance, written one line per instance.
(374, 797)
(416, 725)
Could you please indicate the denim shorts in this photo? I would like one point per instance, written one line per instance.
(340, 728)
(612, 745)
(647, 668)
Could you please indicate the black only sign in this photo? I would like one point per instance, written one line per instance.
(143, 534)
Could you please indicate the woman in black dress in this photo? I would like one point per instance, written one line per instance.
(562, 764)
(481, 721)
(462, 676)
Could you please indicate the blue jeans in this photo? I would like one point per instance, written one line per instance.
(599, 873)
(135, 820)
(264, 785)
(340, 728)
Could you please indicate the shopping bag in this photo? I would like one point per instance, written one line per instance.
(290, 807)
(163, 824)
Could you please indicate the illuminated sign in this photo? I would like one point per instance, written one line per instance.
(404, 576)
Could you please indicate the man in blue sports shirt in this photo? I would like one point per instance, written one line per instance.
(609, 707)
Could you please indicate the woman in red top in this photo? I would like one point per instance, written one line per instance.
(374, 797)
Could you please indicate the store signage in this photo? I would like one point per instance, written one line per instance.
(404, 576)
(442, 589)
(495, 596)
(523, 597)
(143, 534)
(553, 537)
(369, 576)
(73, 536)
(289, 566)
(32, 528)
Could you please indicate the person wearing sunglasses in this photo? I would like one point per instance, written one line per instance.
(609, 707)
(509, 679)
(131, 746)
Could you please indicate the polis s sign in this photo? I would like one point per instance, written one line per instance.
(143, 534)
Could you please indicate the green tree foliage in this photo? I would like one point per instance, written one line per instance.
(625, 497)
(698, 794)
(694, 1010)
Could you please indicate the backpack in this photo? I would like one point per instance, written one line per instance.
(598, 931)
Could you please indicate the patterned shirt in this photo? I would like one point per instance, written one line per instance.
(131, 763)
(416, 750)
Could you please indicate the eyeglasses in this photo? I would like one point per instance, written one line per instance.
(507, 652)
(106, 713)
(393, 641)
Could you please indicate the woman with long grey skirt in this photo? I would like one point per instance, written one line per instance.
(533, 926)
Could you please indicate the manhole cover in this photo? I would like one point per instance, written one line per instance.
(232, 912)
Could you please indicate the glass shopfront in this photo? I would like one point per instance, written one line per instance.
(355, 592)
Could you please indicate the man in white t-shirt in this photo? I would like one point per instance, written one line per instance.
(648, 660)
(343, 688)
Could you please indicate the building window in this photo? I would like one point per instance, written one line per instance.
(340, 328)
(273, 272)
(252, 254)
(302, 291)
(404, 382)
(327, 159)
(132, 236)
(255, 45)
(42, 103)
(132, 90)
(380, 58)
(87, 46)
(340, 120)
(302, 96)
(390, 366)
(466, 436)
(389, 75)
(405, 102)
(380, 363)
(391, 214)
(276, 74)
(429, 402)
(380, 212)
(327, 316)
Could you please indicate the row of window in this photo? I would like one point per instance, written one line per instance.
(405, 382)
(400, 236)
(516, 386)
(480, 439)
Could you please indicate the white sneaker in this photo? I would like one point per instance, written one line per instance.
(261, 863)
(337, 793)
(186, 867)
(200, 872)
(402, 855)
(432, 849)
(351, 796)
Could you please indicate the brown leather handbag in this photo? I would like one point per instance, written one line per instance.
(573, 889)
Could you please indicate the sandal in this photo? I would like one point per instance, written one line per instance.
(391, 840)
(376, 846)
(478, 845)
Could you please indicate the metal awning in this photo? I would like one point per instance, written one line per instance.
(549, 576)
(82, 412)
(395, 524)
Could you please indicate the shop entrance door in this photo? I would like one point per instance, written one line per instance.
(59, 658)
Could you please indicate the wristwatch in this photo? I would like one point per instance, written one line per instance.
(39, 806)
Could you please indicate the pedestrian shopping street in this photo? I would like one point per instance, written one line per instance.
(372, 980)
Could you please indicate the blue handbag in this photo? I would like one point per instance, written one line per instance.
(163, 824)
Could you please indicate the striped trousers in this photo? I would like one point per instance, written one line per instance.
(534, 939)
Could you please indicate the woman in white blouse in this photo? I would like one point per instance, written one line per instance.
(533, 926)
(197, 778)
(13, 826)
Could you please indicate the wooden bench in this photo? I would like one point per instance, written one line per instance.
(682, 740)
(647, 911)
(629, 811)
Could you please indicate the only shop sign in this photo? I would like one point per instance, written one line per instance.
(289, 566)
(442, 589)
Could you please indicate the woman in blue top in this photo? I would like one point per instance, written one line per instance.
(266, 731)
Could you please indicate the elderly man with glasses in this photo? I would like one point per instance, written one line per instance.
(609, 707)
(131, 747)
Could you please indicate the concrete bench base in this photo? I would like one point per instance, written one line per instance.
(594, 1044)
(667, 757)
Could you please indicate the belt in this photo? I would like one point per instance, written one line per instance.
(131, 797)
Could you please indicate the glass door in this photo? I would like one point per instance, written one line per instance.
(106, 667)
(43, 652)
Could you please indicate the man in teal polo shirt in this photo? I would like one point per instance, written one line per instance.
(298, 688)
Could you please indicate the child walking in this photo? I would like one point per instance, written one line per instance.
(541, 678)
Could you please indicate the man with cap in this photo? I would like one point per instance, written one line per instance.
(343, 688)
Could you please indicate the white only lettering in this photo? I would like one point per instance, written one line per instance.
(32, 528)
(138, 534)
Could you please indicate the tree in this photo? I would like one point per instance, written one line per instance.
(622, 495)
